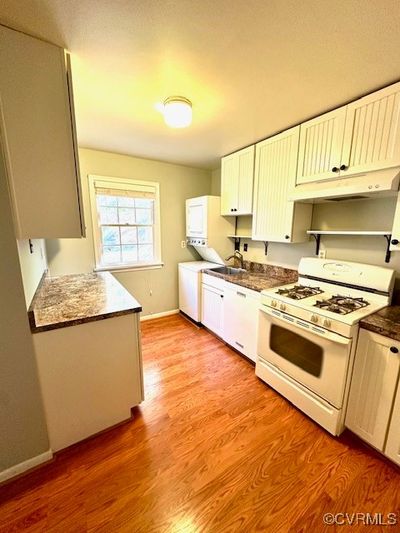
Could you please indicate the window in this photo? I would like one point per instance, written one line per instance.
(126, 222)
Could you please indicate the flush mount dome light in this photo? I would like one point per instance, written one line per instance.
(177, 112)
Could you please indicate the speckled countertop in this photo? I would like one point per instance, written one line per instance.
(70, 300)
(259, 276)
(386, 322)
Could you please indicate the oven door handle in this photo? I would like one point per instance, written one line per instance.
(297, 323)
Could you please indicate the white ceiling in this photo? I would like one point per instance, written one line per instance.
(250, 67)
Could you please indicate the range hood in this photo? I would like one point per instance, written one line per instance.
(368, 185)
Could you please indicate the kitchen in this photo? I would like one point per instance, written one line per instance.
(176, 306)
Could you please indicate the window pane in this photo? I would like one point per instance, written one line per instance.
(109, 236)
(111, 255)
(128, 235)
(126, 215)
(105, 200)
(144, 216)
(129, 254)
(126, 201)
(144, 202)
(145, 235)
(145, 252)
(108, 215)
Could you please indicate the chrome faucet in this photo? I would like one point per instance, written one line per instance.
(236, 255)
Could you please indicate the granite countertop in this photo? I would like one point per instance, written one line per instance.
(70, 300)
(386, 322)
(259, 276)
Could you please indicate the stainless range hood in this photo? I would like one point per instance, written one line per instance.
(369, 185)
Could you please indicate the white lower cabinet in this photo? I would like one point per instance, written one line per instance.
(241, 319)
(373, 391)
(212, 308)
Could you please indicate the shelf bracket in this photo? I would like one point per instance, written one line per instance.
(317, 238)
(388, 253)
(266, 247)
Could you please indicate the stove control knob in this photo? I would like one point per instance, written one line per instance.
(282, 307)
(327, 323)
(314, 319)
(274, 303)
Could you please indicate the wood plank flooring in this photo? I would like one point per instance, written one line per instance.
(212, 449)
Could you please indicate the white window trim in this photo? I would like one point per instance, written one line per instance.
(156, 262)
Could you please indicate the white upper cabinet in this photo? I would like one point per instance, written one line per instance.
(320, 147)
(354, 139)
(38, 134)
(373, 386)
(196, 217)
(274, 217)
(237, 175)
(372, 135)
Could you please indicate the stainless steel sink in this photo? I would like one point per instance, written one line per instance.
(231, 271)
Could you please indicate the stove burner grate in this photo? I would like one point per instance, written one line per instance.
(298, 292)
(342, 305)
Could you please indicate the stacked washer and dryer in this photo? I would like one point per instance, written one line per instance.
(207, 231)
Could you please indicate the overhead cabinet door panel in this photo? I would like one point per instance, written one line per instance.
(229, 184)
(372, 135)
(321, 141)
(37, 127)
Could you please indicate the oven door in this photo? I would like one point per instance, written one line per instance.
(316, 358)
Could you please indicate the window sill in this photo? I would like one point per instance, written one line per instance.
(129, 268)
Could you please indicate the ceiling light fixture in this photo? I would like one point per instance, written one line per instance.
(177, 112)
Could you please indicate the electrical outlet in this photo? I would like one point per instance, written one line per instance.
(322, 254)
(183, 244)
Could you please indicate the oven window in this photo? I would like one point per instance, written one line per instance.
(294, 348)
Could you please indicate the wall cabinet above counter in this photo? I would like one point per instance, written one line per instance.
(237, 177)
(37, 127)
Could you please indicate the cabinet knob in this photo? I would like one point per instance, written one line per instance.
(395, 241)
(286, 236)
(335, 169)
(393, 349)
(343, 167)
(221, 295)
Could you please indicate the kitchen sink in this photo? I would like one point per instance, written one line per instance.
(231, 271)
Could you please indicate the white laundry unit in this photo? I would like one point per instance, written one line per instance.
(190, 287)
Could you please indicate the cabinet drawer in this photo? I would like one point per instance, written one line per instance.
(213, 281)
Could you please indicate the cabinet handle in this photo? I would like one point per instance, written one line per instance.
(286, 236)
(393, 349)
(221, 295)
(335, 169)
(241, 294)
(238, 343)
(344, 167)
(395, 241)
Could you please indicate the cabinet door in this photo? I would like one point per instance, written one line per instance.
(37, 130)
(245, 181)
(189, 292)
(372, 388)
(229, 184)
(212, 309)
(196, 217)
(320, 149)
(372, 134)
(241, 320)
(275, 177)
(392, 448)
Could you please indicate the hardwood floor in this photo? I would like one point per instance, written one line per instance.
(211, 449)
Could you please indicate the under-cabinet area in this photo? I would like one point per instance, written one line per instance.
(200, 267)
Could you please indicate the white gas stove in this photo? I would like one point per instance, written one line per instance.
(308, 331)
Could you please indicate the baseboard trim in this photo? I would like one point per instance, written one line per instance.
(26, 465)
(159, 315)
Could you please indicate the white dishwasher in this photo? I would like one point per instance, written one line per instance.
(190, 287)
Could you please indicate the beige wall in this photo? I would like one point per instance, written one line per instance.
(374, 214)
(156, 290)
(33, 264)
(216, 182)
(23, 433)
